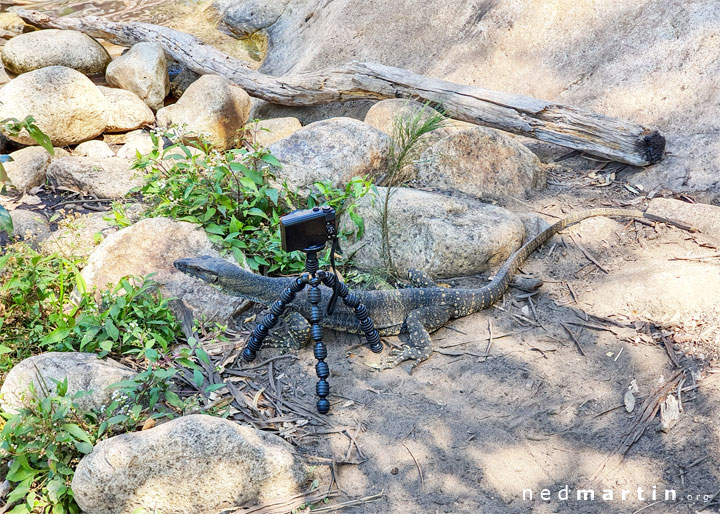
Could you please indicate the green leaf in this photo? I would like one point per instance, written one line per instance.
(6, 223)
(270, 159)
(75, 431)
(198, 378)
(254, 211)
(254, 176)
(55, 336)
(174, 400)
(202, 355)
(4, 349)
(273, 194)
(20, 509)
(111, 329)
(40, 137)
(214, 387)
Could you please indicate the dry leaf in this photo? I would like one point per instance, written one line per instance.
(149, 423)
(629, 401)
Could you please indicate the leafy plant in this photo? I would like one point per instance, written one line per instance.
(42, 443)
(406, 135)
(231, 194)
(13, 127)
(6, 222)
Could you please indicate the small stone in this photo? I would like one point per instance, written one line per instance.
(84, 372)
(192, 464)
(481, 162)
(137, 141)
(334, 150)
(66, 105)
(182, 81)
(142, 70)
(127, 111)
(444, 236)
(245, 18)
(267, 132)
(52, 47)
(212, 106)
(27, 168)
(30, 225)
(11, 22)
(104, 178)
(94, 149)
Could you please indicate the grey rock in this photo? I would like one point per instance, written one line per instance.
(150, 246)
(337, 150)
(137, 141)
(182, 81)
(247, 17)
(30, 225)
(212, 106)
(104, 178)
(193, 464)
(702, 216)
(78, 237)
(267, 132)
(142, 70)
(533, 223)
(126, 110)
(442, 235)
(42, 48)
(481, 162)
(84, 372)
(383, 114)
(66, 105)
(27, 168)
(94, 149)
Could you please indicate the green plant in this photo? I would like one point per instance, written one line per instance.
(13, 127)
(42, 443)
(231, 194)
(406, 135)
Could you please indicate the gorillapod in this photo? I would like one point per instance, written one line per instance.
(314, 277)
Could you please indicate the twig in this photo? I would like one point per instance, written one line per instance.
(646, 507)
(572, 336)
(350, 503)
(588, 255)
(490, 339)
(422, 480)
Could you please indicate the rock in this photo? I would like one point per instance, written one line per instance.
(127, 111)
(481, 162)
(337, 149)
(182, 81)
(442, 235)
(584, 60)
(94, 149)
(79, 235)
(702, 216)
(30, 225)
(245, 18)
(192, 464)
(383, 114)
(267, 132)
(151, 246)
(142, 70)
(533, 224)
(84, 372)
(137, 141)
(27, 168)
(66, 105)
(104, 178)
(213, 106)
(52, 47)
(11, 22)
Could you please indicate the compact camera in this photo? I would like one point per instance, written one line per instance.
(308, 229)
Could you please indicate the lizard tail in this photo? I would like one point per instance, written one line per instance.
(492, 292)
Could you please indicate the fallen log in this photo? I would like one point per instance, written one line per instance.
(602, 136)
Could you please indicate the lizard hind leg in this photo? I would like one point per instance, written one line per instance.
(419, 323)
(292, 333)
(418, 278)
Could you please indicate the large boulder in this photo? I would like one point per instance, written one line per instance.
(66, 105)
(442, 235)
(481, 162)
(52, 47)
(84, 372)
(383, 114)
(27, 168)
(584, 59)
(79, 235)
(151, 246)
(267, 132)
(142, 70)
(246, 18)
(337, 150)
(126, 110)
(213, 106)
(105, 178)
(137, 141)
(192, 464)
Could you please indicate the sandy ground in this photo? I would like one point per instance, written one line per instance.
(545, 410)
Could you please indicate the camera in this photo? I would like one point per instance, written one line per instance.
(308, 229)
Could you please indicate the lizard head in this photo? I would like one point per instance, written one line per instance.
(209, 269)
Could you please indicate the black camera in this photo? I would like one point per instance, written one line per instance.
(308, 230)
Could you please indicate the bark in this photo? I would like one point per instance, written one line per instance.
(602, 136)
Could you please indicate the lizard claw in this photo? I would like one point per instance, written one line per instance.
(398, 355)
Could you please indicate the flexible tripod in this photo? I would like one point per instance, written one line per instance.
(314, 277)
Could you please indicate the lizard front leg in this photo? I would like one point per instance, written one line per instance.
(292, 333)
(419, 323)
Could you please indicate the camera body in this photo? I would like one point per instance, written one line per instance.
(308, 229)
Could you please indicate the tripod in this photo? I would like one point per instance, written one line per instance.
(314, 277)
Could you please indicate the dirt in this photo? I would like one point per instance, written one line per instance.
(545, 409)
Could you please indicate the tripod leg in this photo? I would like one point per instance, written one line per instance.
(292, 333)
(420, 323)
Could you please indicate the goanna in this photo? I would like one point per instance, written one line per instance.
(417, 310)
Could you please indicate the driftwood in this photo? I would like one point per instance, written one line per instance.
(592, 133)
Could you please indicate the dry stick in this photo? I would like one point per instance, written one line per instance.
(593, 133)
(422, 479)
(588, 255)
(572, 336)
(350, 503)
(490, 340)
